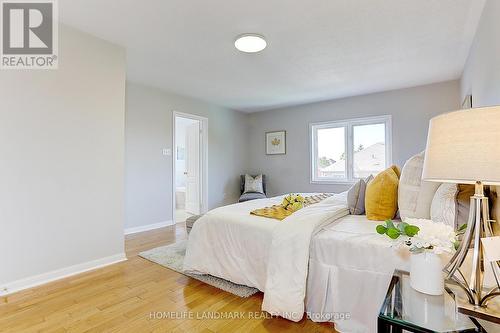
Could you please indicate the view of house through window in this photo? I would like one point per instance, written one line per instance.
(331, 157)
(349, 150)
(369, 150)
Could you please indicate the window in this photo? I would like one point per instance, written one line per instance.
(343, 151)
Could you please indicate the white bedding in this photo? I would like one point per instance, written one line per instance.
(259, 252)
(350, 269)
(230, 243)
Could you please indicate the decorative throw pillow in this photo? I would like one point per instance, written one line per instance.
(415, 195)
(356, 196)
(451, 204)
(381, 199)
(444, 204)
(253, 184)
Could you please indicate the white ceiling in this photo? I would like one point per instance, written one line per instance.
(317, 49)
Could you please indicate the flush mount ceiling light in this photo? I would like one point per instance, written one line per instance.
(250, 43)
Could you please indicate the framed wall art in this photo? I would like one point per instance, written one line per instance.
(276, 143)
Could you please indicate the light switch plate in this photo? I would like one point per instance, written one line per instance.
(167, 152)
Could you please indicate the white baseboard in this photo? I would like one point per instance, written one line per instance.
(148, 227)
(58, 274)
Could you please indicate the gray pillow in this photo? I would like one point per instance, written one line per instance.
(253, 184)
(356, 196)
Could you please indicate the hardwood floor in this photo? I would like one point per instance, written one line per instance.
(139, 296)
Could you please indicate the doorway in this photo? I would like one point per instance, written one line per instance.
(189, 166)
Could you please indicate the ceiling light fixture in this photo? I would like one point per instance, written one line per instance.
(250, 43)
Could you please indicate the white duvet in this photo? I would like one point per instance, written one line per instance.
(259, 252)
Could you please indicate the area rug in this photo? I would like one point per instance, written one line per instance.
(172, 257)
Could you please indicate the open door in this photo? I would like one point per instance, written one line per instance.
(192, 173)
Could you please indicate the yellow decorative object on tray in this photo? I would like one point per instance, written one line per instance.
(291, 203)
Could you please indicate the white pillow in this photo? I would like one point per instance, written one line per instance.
(253, 184)
(444, 204)
(414, 195)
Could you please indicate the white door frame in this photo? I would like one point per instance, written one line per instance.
(203, 160)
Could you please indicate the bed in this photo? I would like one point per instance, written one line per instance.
(259, 252)
(320, 260)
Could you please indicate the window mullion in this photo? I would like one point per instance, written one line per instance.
(349, 152)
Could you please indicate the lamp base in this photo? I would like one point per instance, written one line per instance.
(478, 226)
(490, 313)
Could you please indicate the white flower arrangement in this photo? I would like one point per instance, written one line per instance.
(435, 237)
(422, 235)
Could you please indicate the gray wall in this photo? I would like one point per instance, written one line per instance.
(410, 108)
(481, 76)
(149, 174)
(62, 169)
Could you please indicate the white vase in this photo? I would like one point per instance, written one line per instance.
(426, 275)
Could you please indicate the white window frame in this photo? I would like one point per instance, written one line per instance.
(348, 126)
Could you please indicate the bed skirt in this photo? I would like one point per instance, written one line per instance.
(350, 269)
(349, 298)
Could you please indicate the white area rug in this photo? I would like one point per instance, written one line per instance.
(172, 256)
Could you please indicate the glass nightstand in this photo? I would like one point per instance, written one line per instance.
(407, 309)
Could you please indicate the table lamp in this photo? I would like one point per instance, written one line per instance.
(463, 147)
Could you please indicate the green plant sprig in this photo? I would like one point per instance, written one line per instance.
(393, 231)
(460, 232)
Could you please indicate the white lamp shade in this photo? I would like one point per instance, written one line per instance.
(464, 147)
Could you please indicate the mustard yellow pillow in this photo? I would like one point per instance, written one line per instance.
(381, 198)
